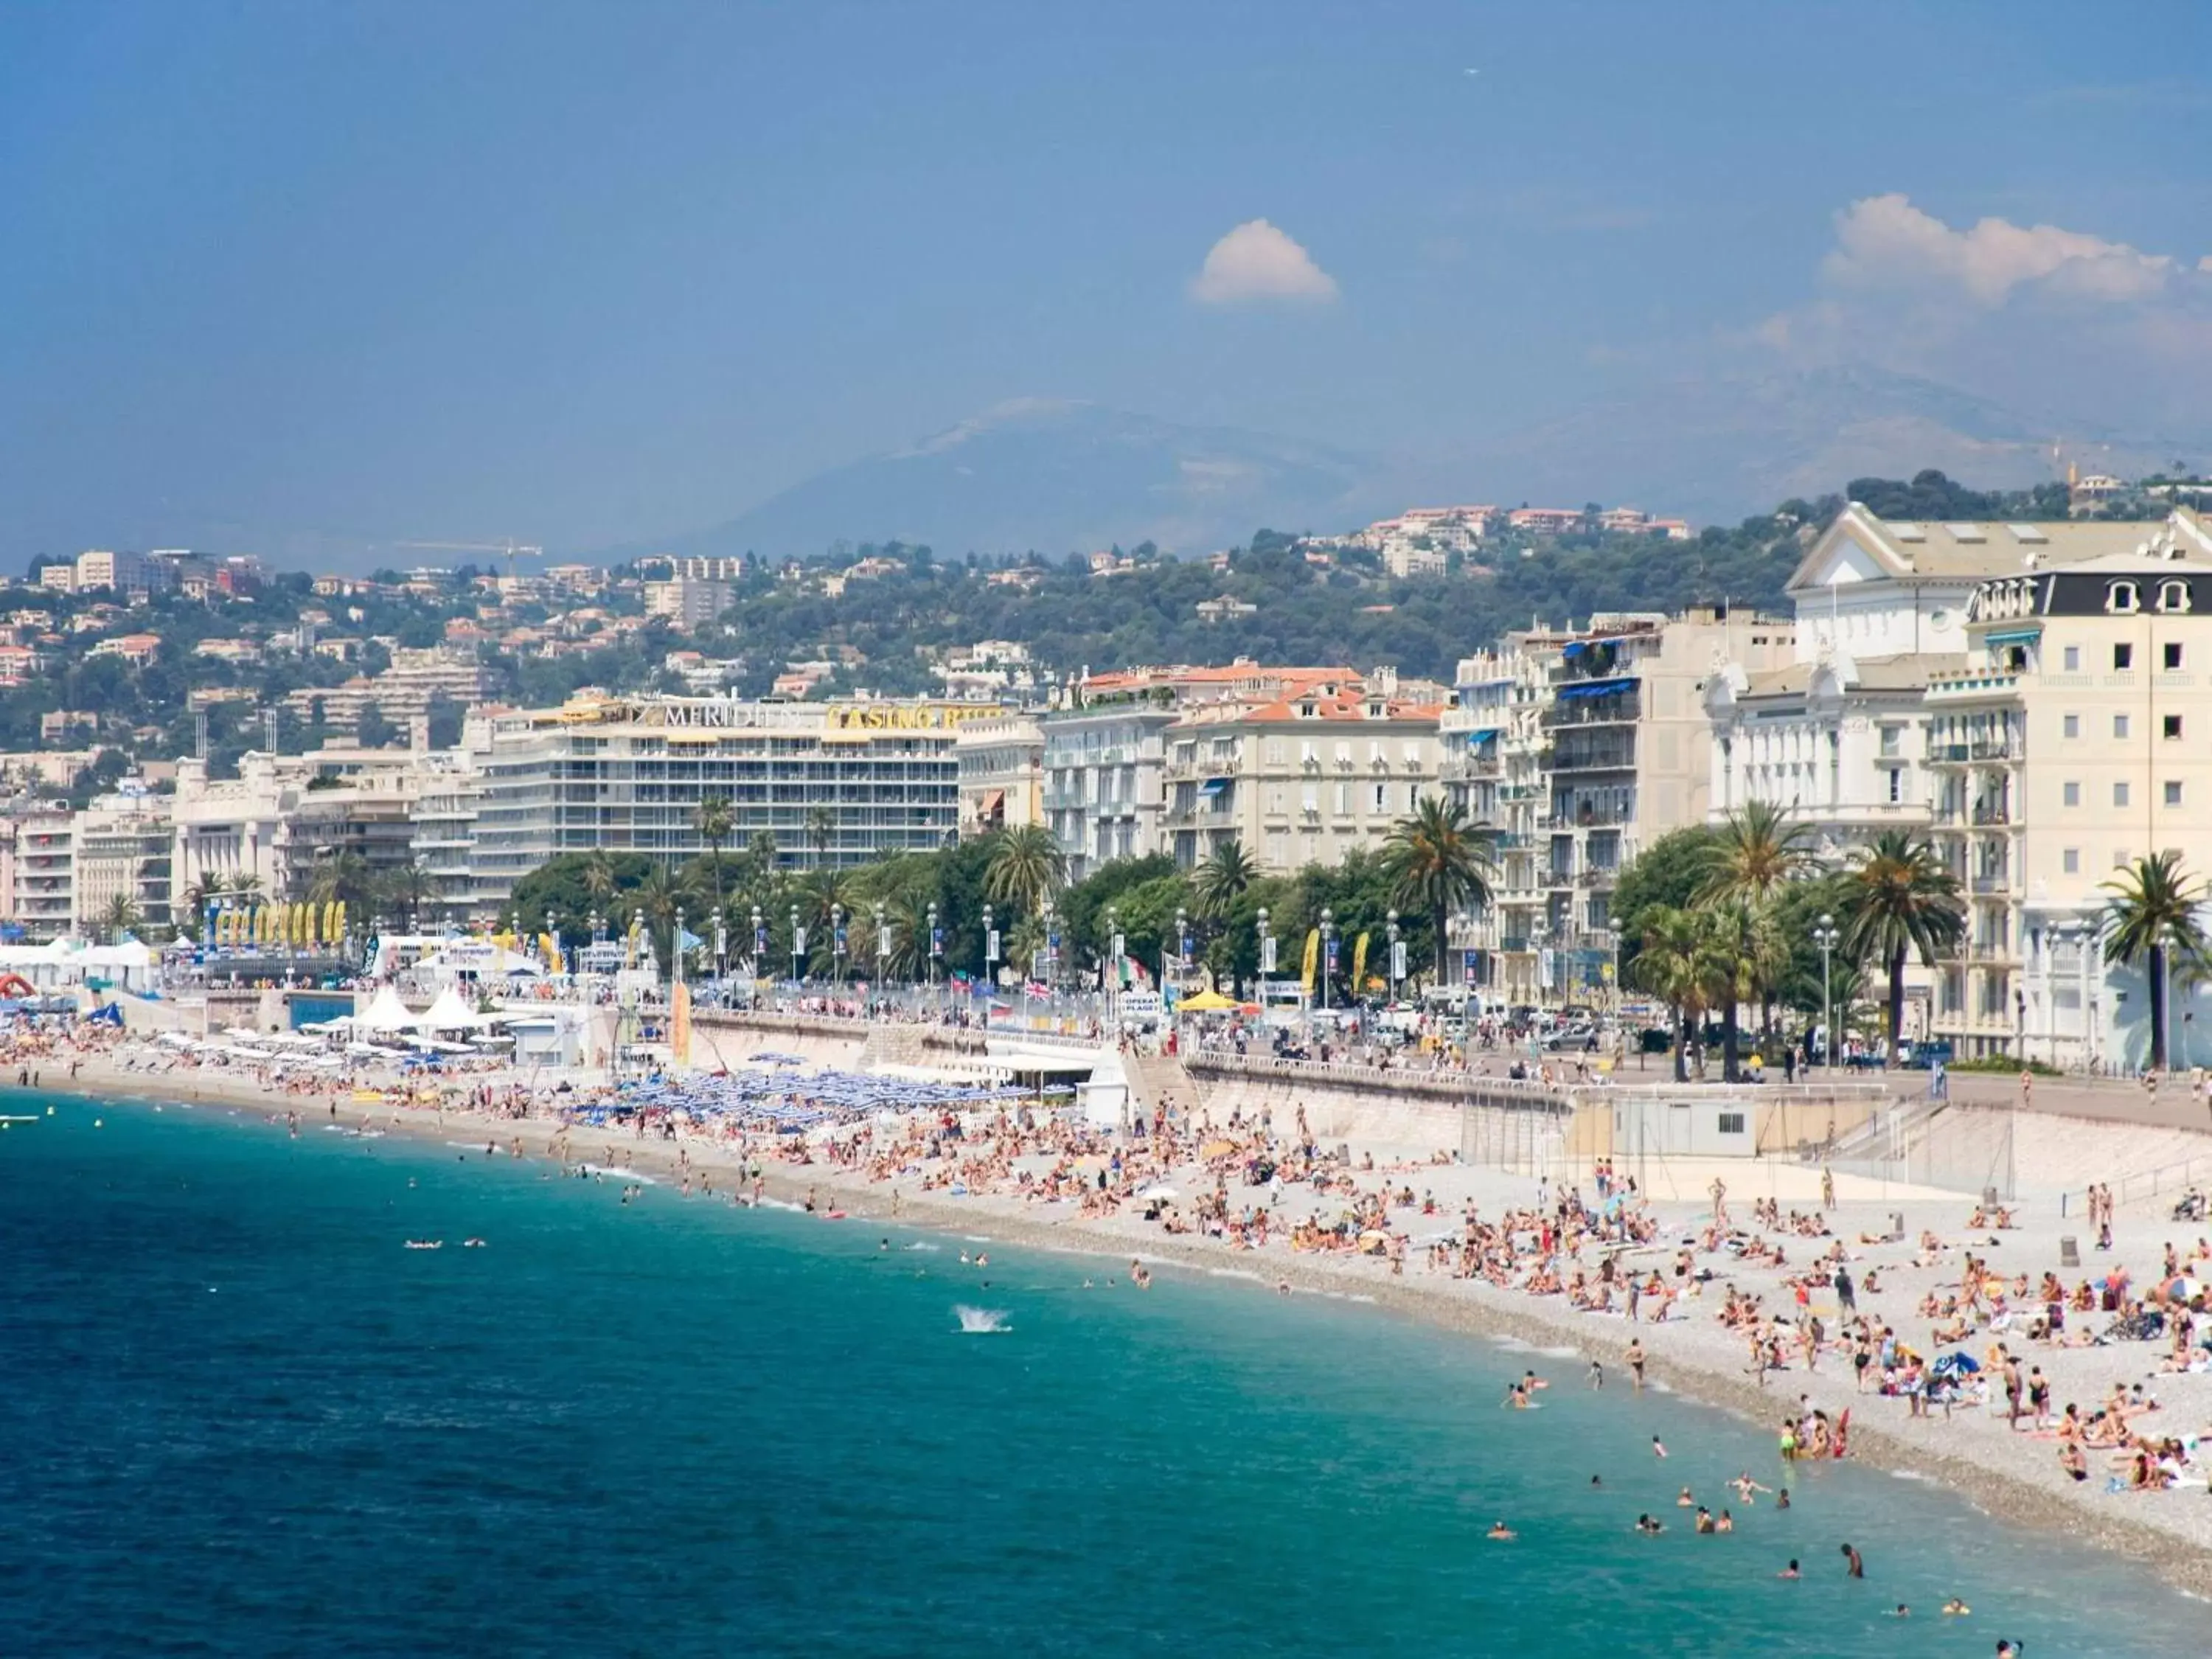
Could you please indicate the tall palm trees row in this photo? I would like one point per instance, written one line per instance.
(1899, 900)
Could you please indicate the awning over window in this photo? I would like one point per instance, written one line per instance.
(994, 803)
(1212, 785)
(2013, 637)
(1594, 688)
(1484, 734)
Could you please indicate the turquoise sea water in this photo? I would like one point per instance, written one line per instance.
(239, 1417)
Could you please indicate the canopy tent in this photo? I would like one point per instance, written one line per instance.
(385, 1012)
(1206, 1002)
(450, 1014)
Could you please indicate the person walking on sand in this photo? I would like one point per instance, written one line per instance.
(1827, 1188)
(1719, 1190)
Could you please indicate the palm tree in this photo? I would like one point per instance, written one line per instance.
(1026, 868)
(908, 915)
(120, 917)
(715, 822)
(599, 876)
(1751, 857)
(1754, 853)
(660, 895)
(1221, 880)
(405, 887)
(342, 879)
(1748, 954)
(1436, 864)
(2153, 914)
(1899, 897)
(818, 895)
(821, 830)
(1675, 964)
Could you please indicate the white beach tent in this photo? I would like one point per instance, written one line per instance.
(385, 1012)
(450, 1014)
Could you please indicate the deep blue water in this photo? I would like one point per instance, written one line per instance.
(239, 1417)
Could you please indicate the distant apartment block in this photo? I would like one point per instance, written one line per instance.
(688, 602)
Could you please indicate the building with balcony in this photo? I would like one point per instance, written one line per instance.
(836, 783)
(1492, 742)
(1838, 732)
(1001, 762)
(1303, 772)
(123, 849)
(45, 875)
(2072, 743)
(1626, 758)
(1105, 751)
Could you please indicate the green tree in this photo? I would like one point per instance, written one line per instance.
(2152, 918)
(120, 916)
(1753, 854)
(821, 830)
(1026, 868)
(1436, 866)
(1676, 964)
(1666, 875)
(1900, 899)
(1221, 879)
(715, 822)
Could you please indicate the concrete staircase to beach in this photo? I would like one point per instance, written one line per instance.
(893, 1045)
(1159, 1081)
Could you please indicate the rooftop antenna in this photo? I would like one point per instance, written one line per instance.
(199, 734)
(268, 729)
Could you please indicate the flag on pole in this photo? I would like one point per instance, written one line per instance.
(1313, 958)
(1359, 964)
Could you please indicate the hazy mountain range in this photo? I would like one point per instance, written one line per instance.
(1055, 474)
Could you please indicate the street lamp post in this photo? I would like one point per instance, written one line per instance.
(1267, 961)
(760, 944)
(798, 947)
(1390, 934)
(1328, 953)
(931, 946)
(836, 943)
(1051, 950)
(1826, 935)
(1109, 981)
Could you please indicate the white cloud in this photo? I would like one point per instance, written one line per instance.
(1255, 261)
(1886, 242)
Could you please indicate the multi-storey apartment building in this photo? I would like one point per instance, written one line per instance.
(689, 601)
(1492, 741)
(403, 691)
(833, 783)
(124, 845)
(1105, 751)
(45, 875)
(2072, 743)
(1299, 773)
(1001, 762)
(1627, 758)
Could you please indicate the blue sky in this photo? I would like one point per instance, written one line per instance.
(304, 277)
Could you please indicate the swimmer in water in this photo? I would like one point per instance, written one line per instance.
(1499, 1530)
(1790, 1571)
(1650, 1526)
(1725, 1523)
(1684, 1501)
(1657, 1449)
(1782, 1499)
(1954, 1608)
(1855, 1566)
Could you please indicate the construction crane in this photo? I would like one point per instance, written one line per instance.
(513, 549)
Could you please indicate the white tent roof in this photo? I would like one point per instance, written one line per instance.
(450, 1013)
(385, 1012)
